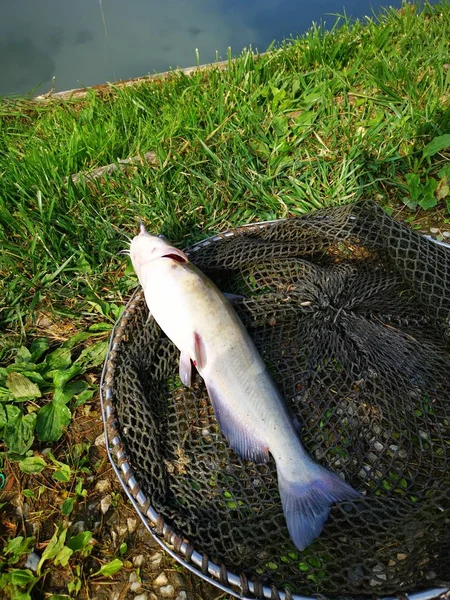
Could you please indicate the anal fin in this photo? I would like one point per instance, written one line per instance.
(240, 438)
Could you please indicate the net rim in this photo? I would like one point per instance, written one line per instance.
(175, 545)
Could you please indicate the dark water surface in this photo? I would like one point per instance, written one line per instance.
(87, 42)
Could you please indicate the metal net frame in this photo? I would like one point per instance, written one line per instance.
(351, 312)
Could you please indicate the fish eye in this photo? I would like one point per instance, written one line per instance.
(162, 236)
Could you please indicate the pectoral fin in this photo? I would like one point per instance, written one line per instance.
(240, 438)
(185, 369)
(233, 297)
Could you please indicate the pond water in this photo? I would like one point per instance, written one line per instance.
(89, 42)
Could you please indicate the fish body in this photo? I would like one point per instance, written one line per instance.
(248, 406)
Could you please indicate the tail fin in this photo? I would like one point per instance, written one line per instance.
(307, 503)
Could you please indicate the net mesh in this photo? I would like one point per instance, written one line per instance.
(351, 313)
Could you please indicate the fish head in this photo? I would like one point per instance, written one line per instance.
(146, 247)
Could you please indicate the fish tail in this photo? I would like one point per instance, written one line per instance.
(307, 502)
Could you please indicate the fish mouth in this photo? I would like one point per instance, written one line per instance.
(181, 258)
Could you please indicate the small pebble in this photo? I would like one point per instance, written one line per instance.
(446, 234)
(430, 575)
(78, 527)
(100, 440)
(167, 591)
(183, 596)
(133, 577)
(372, 457)
(32, 561)
(378, 568)
(402, 556)
(138, 560)
(161, 580)
(378, 446)
(205, 432)
(434, 230)
(142, 597)
(393, 447)
(102, 486)
(374, 582)
(365, 471)
(131, 525)
(155, 559)
(105, 503)
(122, 530)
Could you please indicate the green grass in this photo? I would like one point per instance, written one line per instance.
(322, 120)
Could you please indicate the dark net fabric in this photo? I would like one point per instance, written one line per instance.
(351, 313)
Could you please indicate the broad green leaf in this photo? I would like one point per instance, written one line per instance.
(110, 568)
(80, 541)
(3, 375)
(3, 417)
(94, 355)
(280, 125)
(36, 377)
(83, 397)
(60, 358)
(38, 347)
(74, 586)
(63, 556)
(23, 355)
(21, 387)
(19, 430)
(54, 546)
(51, 419)
(32, 464)
(22, 577)
(17, 547)
(62, 376)
(63, 473)
(21, 366)
(71, 389)
(429, 199)
(100, 327)
(413, 181)
(445, 172)
(123, 548)
(67, 506)
(76, 339)
(436, 145)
